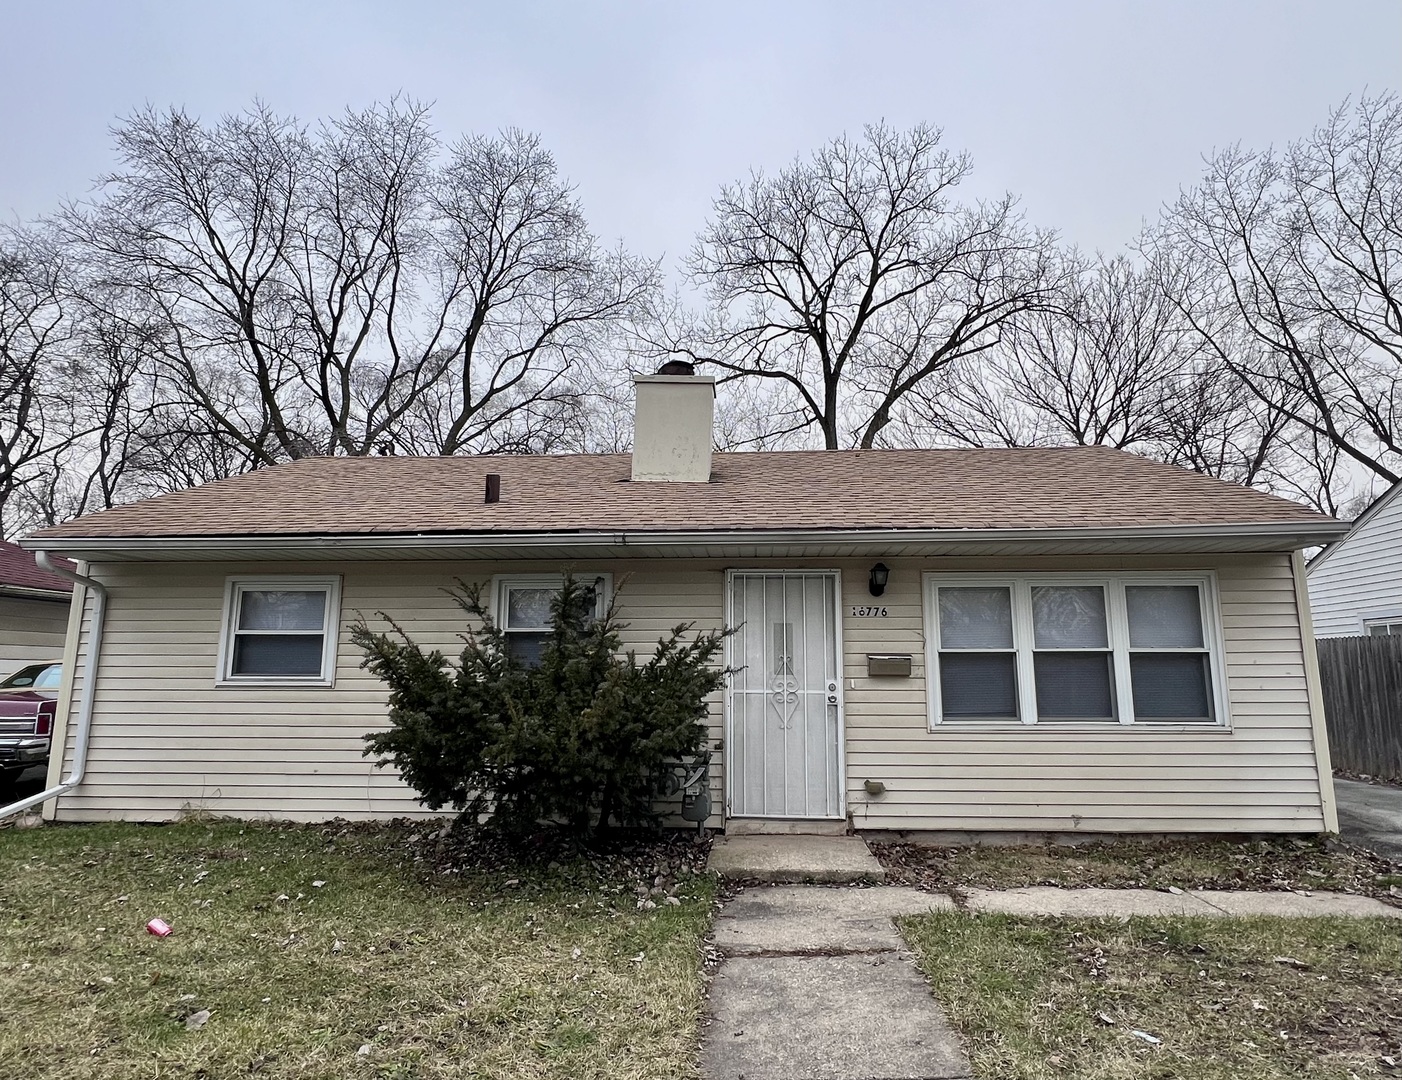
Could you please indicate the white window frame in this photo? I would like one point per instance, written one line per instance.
(235, 587)
(1117, 621)
(501, 583)
(1378, 617)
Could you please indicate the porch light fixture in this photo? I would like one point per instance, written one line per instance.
(880, 574)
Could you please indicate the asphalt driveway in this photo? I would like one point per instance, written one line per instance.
(1370, 815)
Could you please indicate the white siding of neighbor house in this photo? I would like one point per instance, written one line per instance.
(166, 740)
(31, 631)
(1362, 577)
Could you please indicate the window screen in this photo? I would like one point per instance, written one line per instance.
(278, 632)
(1076, 648)
(1075, 669)
(976, 619)
(1170, 669)
(526, 618)
(1164, 616)
(978, 665)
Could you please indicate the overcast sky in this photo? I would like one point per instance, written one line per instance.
(1093, 112)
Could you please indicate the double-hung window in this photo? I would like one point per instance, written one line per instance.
(280, 630)
(1073, 666)
(1074, 649)
(1170, 665)
(977, 657)
(523, 609)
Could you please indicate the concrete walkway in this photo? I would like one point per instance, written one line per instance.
(795, 859)
(816, 985)
(1370, 815)
(1115, 903)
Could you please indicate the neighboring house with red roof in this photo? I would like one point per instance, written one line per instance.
(1064, 640)
(33, 610)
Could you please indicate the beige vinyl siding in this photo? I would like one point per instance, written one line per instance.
(1362, 577)
(166, 739)
(1258, 774)
(31, 631)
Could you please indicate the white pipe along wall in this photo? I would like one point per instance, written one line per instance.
(85, 704)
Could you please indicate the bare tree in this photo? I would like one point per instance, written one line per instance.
(190, 243)
(849, 280)
(1114, 364)
(1213, 425)
(1096, 368)
(339, 290)
(35, 424)
(527, 302)
(123, 419)
(1288, 266)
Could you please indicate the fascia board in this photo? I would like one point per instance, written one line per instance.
(1301, 534)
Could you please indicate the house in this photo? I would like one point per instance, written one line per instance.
(1355, 585)
(33, 610)
(1030, 640)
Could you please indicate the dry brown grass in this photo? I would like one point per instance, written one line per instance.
(383, 970)
(1231, 999)
(1209, 863)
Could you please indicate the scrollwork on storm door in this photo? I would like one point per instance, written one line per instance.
(783, 687)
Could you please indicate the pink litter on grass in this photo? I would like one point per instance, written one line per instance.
(159, 927)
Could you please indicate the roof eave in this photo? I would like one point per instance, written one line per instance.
(1372, 510)
(26, 592)
(1247, 535)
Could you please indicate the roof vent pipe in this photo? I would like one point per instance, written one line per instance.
(493, 487)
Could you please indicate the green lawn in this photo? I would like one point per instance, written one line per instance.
(320, 953)
(1231, 999)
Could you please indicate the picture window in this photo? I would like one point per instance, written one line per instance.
(1073, 649)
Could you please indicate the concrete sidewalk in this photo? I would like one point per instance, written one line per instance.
(816, 985)
(1115, 903)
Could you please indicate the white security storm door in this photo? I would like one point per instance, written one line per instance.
(784, 746)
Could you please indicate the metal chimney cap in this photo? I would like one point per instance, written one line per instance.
(677, 367)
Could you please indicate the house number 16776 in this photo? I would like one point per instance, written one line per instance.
(868, 612)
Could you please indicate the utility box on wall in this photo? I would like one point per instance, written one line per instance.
(896, 664)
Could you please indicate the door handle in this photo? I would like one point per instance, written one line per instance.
(832, 692)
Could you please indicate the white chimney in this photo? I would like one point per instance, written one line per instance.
(672, 422)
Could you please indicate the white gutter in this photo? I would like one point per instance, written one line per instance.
(85, 704)
(1305, 532)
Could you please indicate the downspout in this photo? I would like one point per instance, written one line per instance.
(85, 703)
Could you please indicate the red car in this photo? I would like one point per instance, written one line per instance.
(28, 701)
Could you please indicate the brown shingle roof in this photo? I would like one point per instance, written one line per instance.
(1080, 487)
(18, 570)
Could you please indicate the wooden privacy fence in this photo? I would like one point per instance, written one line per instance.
(1362, 682)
